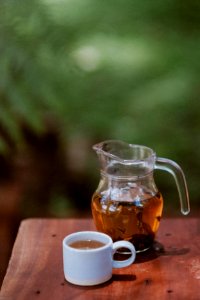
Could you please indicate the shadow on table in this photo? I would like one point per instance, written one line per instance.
(115, 277)
(158, 250)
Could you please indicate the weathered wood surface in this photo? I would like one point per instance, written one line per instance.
(170, 271)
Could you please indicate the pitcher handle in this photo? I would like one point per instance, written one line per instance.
(175, 170)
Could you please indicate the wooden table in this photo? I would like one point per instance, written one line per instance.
(170, 271)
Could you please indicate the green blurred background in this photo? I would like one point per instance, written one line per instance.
(77, 72)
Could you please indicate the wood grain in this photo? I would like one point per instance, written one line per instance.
(169, 271)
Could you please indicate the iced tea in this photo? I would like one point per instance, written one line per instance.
(136, 222)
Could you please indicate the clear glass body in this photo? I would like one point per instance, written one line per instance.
(127, 204)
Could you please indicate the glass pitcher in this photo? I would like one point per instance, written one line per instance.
(127, 204)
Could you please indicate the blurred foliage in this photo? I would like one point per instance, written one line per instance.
(104, 69)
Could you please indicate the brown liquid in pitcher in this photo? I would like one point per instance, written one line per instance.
(128, 220)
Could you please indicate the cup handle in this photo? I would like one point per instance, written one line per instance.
(123, 263)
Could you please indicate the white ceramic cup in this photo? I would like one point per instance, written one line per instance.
(92, 266)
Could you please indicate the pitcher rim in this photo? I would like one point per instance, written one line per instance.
(98, 148)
